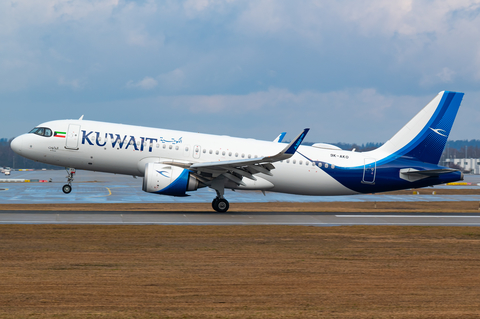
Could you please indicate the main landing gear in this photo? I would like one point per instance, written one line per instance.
(67, 188)
(220, 204)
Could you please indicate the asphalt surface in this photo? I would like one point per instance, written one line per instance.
(250, 218)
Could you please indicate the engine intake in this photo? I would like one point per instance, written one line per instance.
(168, 180)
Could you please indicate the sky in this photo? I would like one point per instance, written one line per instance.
(353, 71)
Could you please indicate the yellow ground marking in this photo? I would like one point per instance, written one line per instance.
(109, 193)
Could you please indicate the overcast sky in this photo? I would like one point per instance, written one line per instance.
(351, 70)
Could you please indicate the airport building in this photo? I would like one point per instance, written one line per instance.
(469, 165)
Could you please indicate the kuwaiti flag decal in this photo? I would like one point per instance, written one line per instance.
(59, 134)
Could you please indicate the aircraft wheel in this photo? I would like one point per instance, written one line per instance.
(220, 205)
(214, 203)
(66, 188)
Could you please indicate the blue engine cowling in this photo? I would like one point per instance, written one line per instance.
(168, 180)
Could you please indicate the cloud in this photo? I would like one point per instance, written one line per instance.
(260, 63)
(147, 83)
(75, 84)
(173, 80)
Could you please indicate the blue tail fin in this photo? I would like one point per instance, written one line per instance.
(425, 136)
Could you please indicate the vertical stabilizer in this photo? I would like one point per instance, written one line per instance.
(425, 136)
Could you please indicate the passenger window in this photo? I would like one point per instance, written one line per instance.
(170, 147)
(230, 154)
(300, 162)
(326, 165)
(176, 148)
(307, 163)
(223, 153)
(164, 146)
(294, 161)
(243, 155)
(216, 152)
(210, 152)
(249, 156)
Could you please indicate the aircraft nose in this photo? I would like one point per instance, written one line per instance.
(17, 144)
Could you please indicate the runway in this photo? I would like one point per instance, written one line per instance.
(251, 218)
(101, 188)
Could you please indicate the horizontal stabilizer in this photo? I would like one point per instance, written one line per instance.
(412, 174)
(430, 172)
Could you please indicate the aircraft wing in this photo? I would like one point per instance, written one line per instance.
(235, 170)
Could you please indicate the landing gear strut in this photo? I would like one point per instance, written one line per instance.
(67, 188)
(219, 204)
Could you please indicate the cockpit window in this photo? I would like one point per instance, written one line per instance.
(42, 131)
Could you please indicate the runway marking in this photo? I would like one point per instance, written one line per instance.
(109, 193)
(405, 216)
(233, 224)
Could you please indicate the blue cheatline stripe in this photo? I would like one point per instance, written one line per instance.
(178, 186)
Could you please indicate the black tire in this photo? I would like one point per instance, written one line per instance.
(67, 189)
(214, 203)
(220, 205)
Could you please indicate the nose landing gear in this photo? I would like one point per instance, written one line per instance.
(67, 188)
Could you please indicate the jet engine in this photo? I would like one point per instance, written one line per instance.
(168, 180)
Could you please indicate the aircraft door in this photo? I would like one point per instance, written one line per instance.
(73, 135)
(369, 171)
(196, 151)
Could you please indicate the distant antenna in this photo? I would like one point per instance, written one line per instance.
(81, 118)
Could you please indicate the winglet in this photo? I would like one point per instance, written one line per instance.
(292, 147)
(288, 151)
(279, 138)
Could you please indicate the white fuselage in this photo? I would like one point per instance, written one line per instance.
(125, 149)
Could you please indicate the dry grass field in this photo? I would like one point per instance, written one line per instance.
(71, 271)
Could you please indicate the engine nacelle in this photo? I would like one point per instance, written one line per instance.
(168, 180)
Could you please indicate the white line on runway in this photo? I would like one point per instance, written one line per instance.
(405, 216)
(233, 223)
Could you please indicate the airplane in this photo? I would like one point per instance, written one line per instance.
(176, 162)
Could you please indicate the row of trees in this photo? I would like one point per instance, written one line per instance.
(453, 149)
